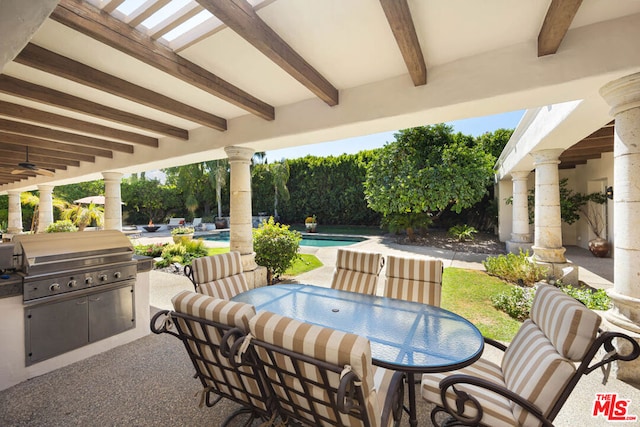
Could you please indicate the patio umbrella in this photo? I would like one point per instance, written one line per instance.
(96, 200)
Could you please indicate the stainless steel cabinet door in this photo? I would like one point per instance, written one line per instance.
(110, 313)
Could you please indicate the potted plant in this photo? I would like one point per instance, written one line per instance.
(182, 234)
(311, 223)
(592, 212)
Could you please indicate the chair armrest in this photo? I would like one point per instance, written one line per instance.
(395, 399)
(606, 340)
(463, 397)
(493, 343)
(188, 271)
(160, 326)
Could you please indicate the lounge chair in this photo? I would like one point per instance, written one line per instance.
(197, 222)
(218, 276)
(357, 271)
(175, 222)
(538, 370)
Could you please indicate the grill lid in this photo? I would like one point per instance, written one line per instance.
(49, 252)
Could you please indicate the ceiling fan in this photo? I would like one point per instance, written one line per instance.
(26, 165)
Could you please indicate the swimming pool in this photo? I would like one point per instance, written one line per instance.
(320, 241)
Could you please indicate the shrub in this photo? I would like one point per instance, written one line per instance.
(61, 226)
(276, 247)
(516, 302)
(182, 230)
(593, 299)
(517, 269)
(182, 253)
(462, 232)
(153, 250)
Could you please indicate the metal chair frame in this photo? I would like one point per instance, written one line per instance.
(347, 398)
(456, 417)
(214, 388)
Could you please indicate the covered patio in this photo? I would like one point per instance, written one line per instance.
(96, 89)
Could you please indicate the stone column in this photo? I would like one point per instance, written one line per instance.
(112, 201)
(240, 224)
(45, 207)
(14, 225)
(547, 246)
(520, 235)
(623, 95)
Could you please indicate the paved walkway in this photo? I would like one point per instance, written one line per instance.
(149, 382)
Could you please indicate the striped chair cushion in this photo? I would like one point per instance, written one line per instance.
(357, 271)
(231, 313)
(497, 409)
(203, 344)
(210, 268)
(336, 347)
(225, 288)
(418, 280)
(534, 370)
(382, 381)
(570, 326)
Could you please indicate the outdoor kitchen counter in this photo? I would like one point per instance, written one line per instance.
(12, 286)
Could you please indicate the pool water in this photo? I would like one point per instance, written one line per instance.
(307, 240)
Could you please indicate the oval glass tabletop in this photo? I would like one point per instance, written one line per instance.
(404, 335)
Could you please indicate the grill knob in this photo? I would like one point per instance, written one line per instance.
(117, 274)
(54, 287)
(103, 277)
(72, 283)
(88, 280)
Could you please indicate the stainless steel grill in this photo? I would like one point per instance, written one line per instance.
(78, 288)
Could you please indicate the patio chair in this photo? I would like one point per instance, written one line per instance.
(208, 328)
(197, 222)
(218, 276)
(411, 279)
(539, 370)
(323, 377)
(357, 271)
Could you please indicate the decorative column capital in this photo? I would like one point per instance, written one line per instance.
(239, 153)
(112, 176)
(520, 175)
(45, 188)
(548, 156)
(622, 94)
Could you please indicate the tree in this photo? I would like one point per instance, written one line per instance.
(428, 169)
(82, 216)
(280, 173)
(148, 200)
(219, 178)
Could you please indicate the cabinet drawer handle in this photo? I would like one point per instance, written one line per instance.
(96, 299)
(81, 302)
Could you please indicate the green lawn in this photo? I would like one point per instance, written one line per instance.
(468, 292)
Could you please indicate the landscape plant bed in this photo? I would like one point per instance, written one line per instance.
(482, 243)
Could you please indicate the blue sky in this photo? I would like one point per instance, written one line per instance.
(476, 126)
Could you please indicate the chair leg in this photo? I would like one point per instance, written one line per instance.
(446, 419)
(244, 410)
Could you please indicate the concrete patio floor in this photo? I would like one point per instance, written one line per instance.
(149, 382)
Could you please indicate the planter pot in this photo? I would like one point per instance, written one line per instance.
(599, 247)
(221, 223)
(311, 227)
(182, 238)
(151, 228)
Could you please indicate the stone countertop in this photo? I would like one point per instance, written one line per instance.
(11, 286)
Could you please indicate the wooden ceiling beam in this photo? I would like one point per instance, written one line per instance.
(240, 16)
(31, 141)
(112, 5)
(50, 62)
(556, 24)
(53, 154)
(187, 12)
(20, 88)
(94, 23)
(57, 135)
(399, 17)
(40, 161)
(607, 132)
(44, 117)
(138, 16)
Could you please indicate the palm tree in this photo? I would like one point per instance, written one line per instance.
(30, 199)
(220, 178)
(83, 216)
(280, 173)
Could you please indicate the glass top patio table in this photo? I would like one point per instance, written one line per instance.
(405, 336)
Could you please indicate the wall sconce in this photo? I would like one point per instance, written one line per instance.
(609, 192)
